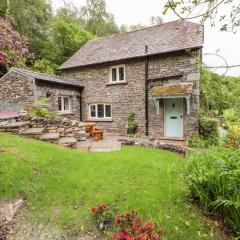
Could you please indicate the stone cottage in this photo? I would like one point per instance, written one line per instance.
(20, 89)
(152, 73)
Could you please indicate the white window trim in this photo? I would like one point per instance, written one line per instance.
(117, 67)
(97, 118)
(62, 104)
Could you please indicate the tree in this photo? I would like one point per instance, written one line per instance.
(97, 20)
(14, 48)
(30, 18)
(156, 20)
(68, 38)
(225, 12)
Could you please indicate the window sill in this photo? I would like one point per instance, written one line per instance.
(98, 120)
(65, 113)
(117, 83)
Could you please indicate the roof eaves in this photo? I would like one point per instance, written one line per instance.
(60, 83)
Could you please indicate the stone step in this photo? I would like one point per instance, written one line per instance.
(14, 125)
(67, 141)
(50, 136)
(33, 131)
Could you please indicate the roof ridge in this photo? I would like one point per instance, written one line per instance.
(141, 29)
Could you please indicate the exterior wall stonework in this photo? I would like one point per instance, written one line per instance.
(129, 97)
(16, 92)
(53, 92)
(20, 92)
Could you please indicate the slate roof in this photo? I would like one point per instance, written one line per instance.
(47, 78)
(167, 37)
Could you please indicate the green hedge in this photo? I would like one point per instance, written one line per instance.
(208, 129)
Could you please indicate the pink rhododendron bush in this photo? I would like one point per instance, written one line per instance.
(13, 48)
(127, 226)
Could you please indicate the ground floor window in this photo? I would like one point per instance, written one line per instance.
(64, 104)
(100, 111)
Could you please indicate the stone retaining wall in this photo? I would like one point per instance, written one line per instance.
(65, 127)
(57, 131)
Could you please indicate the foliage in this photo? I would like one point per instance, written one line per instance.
(31, 19)
(68, 37)
(61, 185)
(197, 142)
(208, 129)
(232, 116)
(45, 66)
(102, 215)
(213, 10)
(213, 180)
(41, 111)
(218, 92)
(130, 226)
(14, 48)
(97, 20)
(232, 139)
(132, 124)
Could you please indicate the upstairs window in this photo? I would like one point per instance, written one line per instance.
(64, 104)
(117, 74)
(100, 111)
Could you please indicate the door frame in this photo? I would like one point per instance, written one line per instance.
(164, 121)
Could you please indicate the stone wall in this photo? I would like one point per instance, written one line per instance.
(16, 92)
(19, 92)
(51, 91)
(129, 97)
(62, 131)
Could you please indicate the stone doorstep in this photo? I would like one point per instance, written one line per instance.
(66, 141)
(50, 136)
(33, 131)
(14, 125)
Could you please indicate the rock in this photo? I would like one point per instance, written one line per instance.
(67, 141)
(50, 136)
(68, 130)
(14, 125)
(33, 131)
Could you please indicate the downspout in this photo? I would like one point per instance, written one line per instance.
(80, 104)
(146, 91)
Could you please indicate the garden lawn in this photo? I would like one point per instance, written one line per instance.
(62, 185)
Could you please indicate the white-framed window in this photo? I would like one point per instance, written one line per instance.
(64, 104)
(100, 111)
(117, 74)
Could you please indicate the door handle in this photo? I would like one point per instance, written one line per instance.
(173, 117)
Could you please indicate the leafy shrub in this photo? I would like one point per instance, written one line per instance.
(132, 125)
(208, 129)
(232, 116)
(102, 216)
(130, 226)
(41, 111)
(213, 179)
(197, 142)
(232, 139)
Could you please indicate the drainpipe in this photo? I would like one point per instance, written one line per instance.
(80, 104)
(146, 91)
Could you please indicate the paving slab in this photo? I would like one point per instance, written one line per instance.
(50, 136)
(33, 131)
(109, 143)
(14, 125)
(67, 141)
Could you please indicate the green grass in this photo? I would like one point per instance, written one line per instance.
(63, 184)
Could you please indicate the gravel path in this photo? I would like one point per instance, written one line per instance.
(26, 229)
